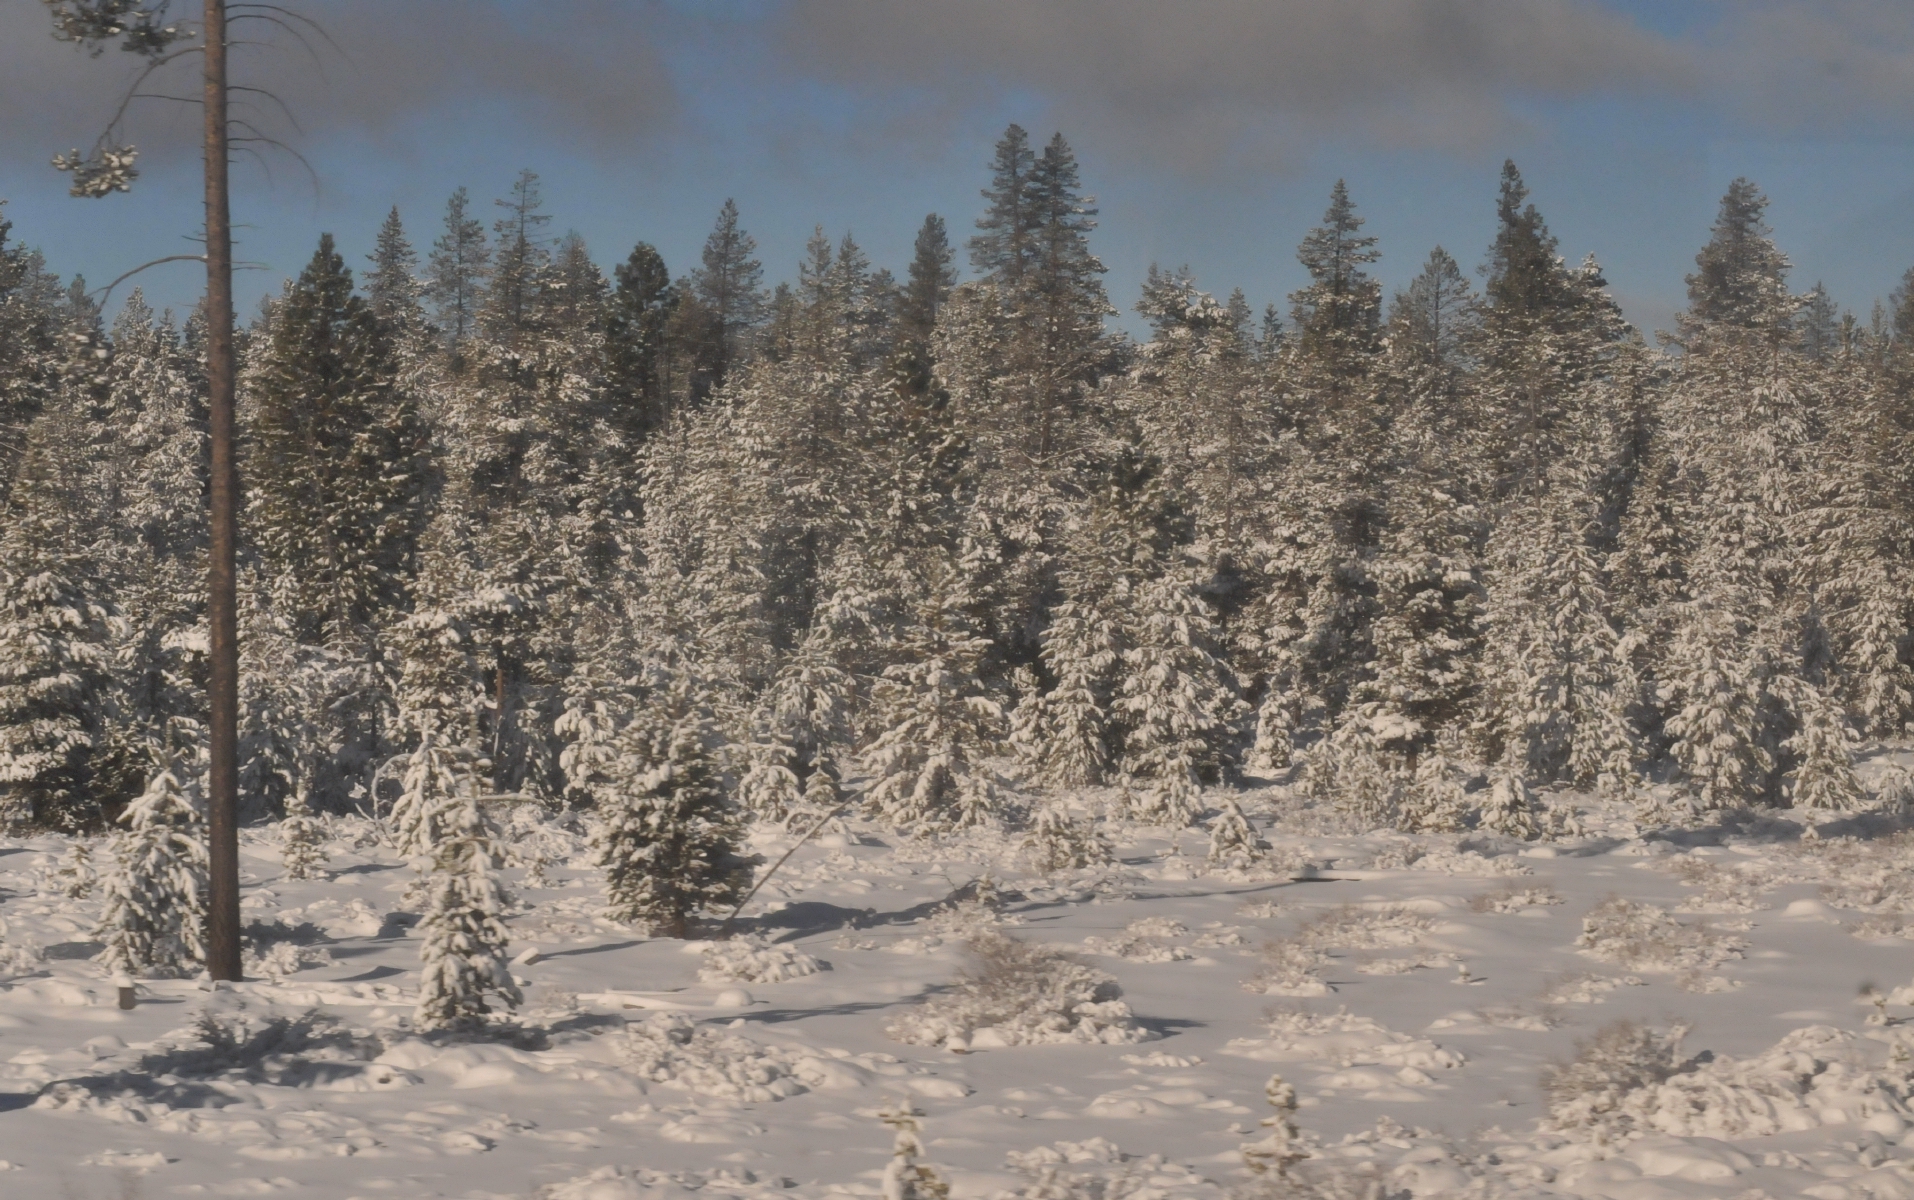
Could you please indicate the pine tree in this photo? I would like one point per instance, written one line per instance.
(1741, 279)
(729, 287)
(154, 915)
(1526, 282)
(1823, 751)
(1337, 316)
(934, 724)
(640, 364)
(1177, 698)
(455, 275)
(302, 848)
(932, 275)
(1233, 842)
(440, 779)
(904, 1177)
(1279, 1150)
(393, 290)
(1714, 724)
(339, 477)
(1005, 249)
(1070, 744)
(53, 641)
(519, 260)
(1436, 321)
(462, 955)
(1060, 841)
(669, 842)
(1510, 806)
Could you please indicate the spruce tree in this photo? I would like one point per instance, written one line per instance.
(1436, 320)
(54, 639)
(729, 286)
(456, 272)
(1740, 279)
(932, 275)
(463, 947)
(639, 355)
(155, 893)
(1338, 314)
(339, 475)
(669, 841)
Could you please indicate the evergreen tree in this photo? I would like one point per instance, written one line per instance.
(302, 850)
(1005, 246)
(154, 916)
(393, 290)
(639, 353)
(337, 463)
(729, 286)
(934, 724)
(456, 272)
(519, 259)
(1233, 842)
(53, 641)
(463, 948)
(1436, 320)
(932, 275)
(1178, 701)
(669, 842)
(1741, 279)
(1337, 315)
(1525, 278)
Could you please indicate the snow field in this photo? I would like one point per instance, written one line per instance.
(1103, 1032)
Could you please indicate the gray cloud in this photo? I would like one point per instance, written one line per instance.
(587, 71)
(1815, 66)
(1199, 78)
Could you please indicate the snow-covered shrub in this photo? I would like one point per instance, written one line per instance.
(1512, 899)
(285, 958)
(1633, 1080)
(716, 1066)
(1145, 940)
(1234, 845)
(1342, 1038)
(1731, 888)
(1277, 1151)
(76, 875)
(1352, 927)
(1590, 1095)
(1583, 988)
(1643, 937)
(1061, 841)
(1290, 968)
(752, 959)
(1016, 994)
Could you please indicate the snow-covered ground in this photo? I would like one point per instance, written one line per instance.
(1425, 996)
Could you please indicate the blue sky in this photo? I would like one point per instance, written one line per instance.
(1209, 130)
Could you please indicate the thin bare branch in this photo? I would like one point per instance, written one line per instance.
(133, 89)
(104, 292)
(284, 111)
(296, 36)
(276, 144)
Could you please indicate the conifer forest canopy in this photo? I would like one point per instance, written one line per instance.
(930, 548)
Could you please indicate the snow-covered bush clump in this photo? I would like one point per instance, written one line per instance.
(1146, 940)
(1643, 937)
(1341, 1038)
(672, 1049)
(1289, 969)
(1631, 1079)
(752, 959)
(1731, 888)
(1512, 899)
(1016, 994)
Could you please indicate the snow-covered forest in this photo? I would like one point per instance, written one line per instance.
(633, 584)
(946, 549)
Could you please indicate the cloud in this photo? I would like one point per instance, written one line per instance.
(1825, 66)
(1202, 78)
(587, 71)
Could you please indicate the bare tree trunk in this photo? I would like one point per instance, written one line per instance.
(222, 926)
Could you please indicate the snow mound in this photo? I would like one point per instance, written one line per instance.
(670, 1048)
(752, 959)
(1342, 1039)
(1633, 1080)
(1016, 994)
